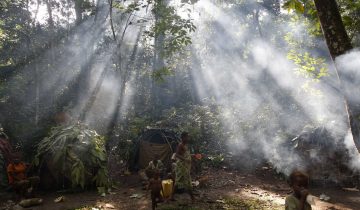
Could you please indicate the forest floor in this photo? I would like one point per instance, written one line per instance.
(223, 189)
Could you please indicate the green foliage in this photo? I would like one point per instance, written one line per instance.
(159, 74)
(175, 29)
(14, 31)
(136, 126)
(133, 128)
(350, 12)
(167, 33)
(77, 153)
(295, 5)
(124, 149)
(203, 123)
(132, 7)
(305, 8)
(307, 65)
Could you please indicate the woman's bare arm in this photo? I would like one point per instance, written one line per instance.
(180, 152)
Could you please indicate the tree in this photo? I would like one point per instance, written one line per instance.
(333, 28)
(79, 10)
(167, 34)
(339, 43)
(350, 13)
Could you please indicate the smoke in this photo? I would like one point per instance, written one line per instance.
(77, 73)
(265, 101)
(353, 152)
(349, 64)
(240, 59)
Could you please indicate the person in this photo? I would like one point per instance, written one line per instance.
(183, 167)
(18, 180)
(5, 146)
(299, 182)
(155, 164)
(173, 167)
(5, 157)
(172, 175)
(155, 186)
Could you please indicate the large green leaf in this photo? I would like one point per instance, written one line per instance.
(294, 5)
(75, 150)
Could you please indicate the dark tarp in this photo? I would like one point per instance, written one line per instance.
(154, 141)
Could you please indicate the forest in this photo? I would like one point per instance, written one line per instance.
(180, 104)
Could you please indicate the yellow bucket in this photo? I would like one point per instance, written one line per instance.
(167, 186)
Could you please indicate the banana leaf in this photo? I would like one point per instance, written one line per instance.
(75, 151)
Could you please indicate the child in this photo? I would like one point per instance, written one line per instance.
(156, 188)
(155, 165)
(299, 182)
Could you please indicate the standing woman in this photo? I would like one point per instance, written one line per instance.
(183, 166)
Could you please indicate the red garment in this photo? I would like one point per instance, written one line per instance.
(16, 172)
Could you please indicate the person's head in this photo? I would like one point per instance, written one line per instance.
(16, 158)
(298, 181)
(185, 137)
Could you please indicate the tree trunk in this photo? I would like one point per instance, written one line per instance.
(111, 19)
(30, 46)
(78, 10)
(50, 19)
(123, 74)
(37, 95)
(158, 61)
(257, 22)
(52, 30)
(339, 43)
(333, 27)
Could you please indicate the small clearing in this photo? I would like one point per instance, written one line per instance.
(222, 189)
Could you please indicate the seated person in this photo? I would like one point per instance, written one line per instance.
(5, 147)
(18, 180)
(299, 182)
(5, 157)
(155, 165)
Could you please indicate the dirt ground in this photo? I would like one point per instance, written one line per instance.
(222, 189)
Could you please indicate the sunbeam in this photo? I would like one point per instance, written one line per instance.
(91, 91)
